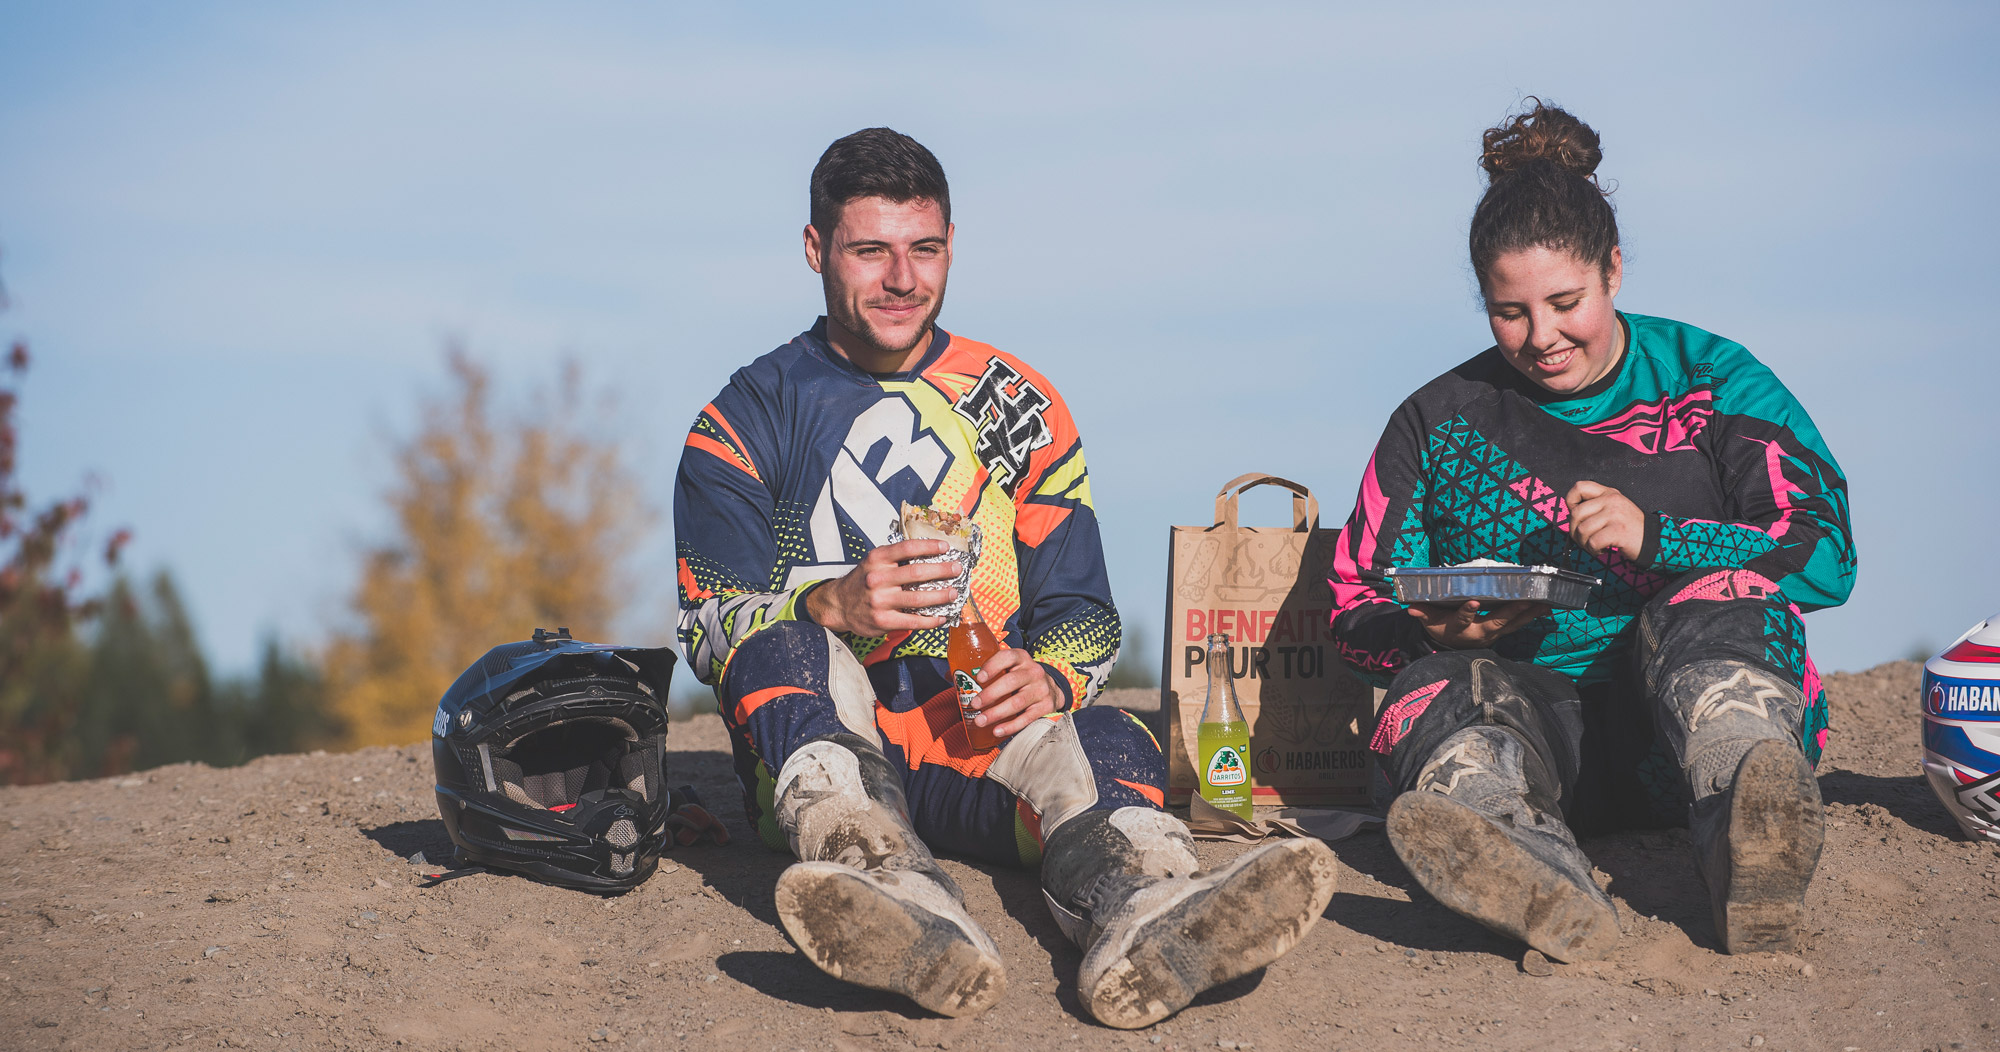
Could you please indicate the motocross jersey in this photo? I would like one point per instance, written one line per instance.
(800, 466)
(1727, 466)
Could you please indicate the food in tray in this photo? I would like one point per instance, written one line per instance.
(1485, 580)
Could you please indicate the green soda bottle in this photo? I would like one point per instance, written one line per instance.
(1222, 746)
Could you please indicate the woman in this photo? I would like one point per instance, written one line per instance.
(1674, 467)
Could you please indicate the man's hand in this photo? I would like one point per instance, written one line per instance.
(870, 600)
(1014, 691)
(1601, 519)
(1461, 627)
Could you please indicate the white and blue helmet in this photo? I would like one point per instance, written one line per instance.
(1962, 729)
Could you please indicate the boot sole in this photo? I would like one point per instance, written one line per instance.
(1242, 917)
(1775, 835)
(1474, 868)
(852, 928)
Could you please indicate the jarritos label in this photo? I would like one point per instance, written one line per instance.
(1309, 717)
(1225, 767)
(968, 693)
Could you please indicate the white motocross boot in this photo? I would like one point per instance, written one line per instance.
(1155, 930)
(867, 902)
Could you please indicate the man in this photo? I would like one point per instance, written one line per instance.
(848, 737)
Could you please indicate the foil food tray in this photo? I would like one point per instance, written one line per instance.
(1458, 584)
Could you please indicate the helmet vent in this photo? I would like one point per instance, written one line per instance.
(622, 834)
(621, 865)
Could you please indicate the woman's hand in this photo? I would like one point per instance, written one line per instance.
(1463, 627)
(1601, 519)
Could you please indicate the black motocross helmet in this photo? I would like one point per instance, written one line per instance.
(550, 758)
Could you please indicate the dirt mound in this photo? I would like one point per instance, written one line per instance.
(273, 906)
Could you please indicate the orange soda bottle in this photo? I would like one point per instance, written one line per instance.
(970, 644)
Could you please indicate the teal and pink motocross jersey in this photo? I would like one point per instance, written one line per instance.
(1689, 426)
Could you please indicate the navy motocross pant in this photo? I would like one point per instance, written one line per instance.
(777, 695)
(1606, 741)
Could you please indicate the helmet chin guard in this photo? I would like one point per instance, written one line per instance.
(550, 757)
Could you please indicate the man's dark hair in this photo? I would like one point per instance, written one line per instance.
(875, 162)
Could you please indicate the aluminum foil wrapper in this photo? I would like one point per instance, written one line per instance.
(962, 583)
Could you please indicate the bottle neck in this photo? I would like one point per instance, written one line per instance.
(1221, 706)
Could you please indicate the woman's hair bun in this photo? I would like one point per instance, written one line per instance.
(1543, 133)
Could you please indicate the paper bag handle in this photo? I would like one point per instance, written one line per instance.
(1305, 506)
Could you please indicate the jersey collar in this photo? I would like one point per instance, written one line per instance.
(815, 338)
(1541, 396)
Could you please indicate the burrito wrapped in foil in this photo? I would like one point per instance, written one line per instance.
(924, 524)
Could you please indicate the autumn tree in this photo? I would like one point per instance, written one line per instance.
(41, 608)
(101, 684)
(502, 523)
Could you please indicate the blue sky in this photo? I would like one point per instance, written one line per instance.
(237, 236)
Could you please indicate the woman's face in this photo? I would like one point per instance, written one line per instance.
(1552, 316)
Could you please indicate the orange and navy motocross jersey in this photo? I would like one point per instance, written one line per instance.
(801, 464)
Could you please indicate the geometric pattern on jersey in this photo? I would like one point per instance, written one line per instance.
(1484, 504)
(1710, 543)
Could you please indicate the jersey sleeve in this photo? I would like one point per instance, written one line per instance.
(1067, 618)
(1786, 497)
(725, 544)
(1372, 632)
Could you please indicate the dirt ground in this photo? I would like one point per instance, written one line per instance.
(273, 906)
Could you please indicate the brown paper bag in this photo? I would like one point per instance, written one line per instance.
(1265, 588)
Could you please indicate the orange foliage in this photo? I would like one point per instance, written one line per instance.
(500, 528)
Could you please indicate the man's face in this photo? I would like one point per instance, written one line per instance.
(884, 267)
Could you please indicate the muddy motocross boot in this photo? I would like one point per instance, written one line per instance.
(866, 902)
(1482, 833)
(1756, 823)
(1155, 931)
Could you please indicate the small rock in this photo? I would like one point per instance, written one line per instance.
(1809, 971)
(219, 895)
(598, 1035)
(212, 951)
(1537, 965)
(1756, 1040)
(417, 859)
(1409, 953)
(369, 915)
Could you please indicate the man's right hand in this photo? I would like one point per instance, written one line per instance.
(870, 600)
(1464, 626)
